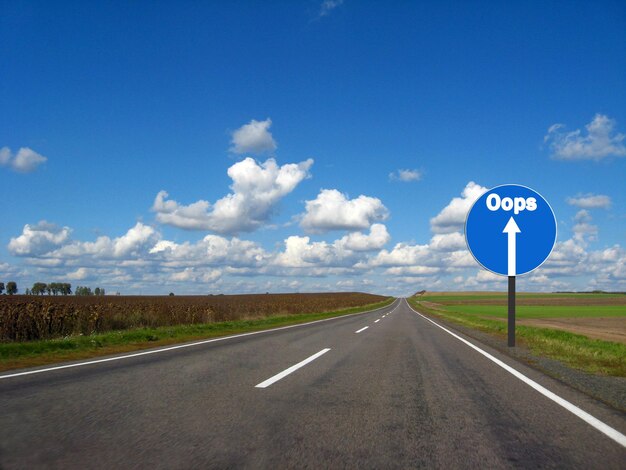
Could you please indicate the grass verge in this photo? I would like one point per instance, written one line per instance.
(541, 311)
(38, 353)
(577, 351)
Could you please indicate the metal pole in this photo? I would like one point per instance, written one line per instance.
(511, 311)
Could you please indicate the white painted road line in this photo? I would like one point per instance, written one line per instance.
(589, 419)
(376, 321)
(293, 368)
(180, 346)
(362, 329)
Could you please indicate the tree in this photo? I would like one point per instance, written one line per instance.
(98, 291)
(38, 288)
(11, 288)
(66, 288)
(1, 287)
(83, 290)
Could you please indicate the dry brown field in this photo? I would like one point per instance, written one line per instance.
(25, 318)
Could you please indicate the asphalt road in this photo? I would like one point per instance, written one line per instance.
(402, 393)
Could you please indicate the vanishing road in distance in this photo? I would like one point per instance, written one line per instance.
(383, 389)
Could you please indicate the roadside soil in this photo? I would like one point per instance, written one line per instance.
(608, 329)
(554, 301)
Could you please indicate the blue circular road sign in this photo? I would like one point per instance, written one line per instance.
(510, 230)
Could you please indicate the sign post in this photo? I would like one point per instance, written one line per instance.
(510, 230)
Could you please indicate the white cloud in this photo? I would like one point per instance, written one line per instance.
(590, 201)
(332, 210)
(133, 244)
(253, 137)
(402, 254)
(445, 252)
(25, 161)
(186, 275)
(301, 252)
(358, 241)
(452, 217)
(136, 237)
(583, 230)
(413, 270)
(405, 175)
(329, 5)
(38, 239)
(212, 250)
(257, 189)
(599, 142)
(78, 275)
(448, 242)
(141, 260)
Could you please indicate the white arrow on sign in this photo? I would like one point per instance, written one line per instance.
(512, 229)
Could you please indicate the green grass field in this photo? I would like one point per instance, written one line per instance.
(541, 311)
(521, 297)
(485, 312)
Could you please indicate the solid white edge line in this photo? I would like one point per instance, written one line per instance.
(295, 367)
(589, 419)
(181, 346)
(362, 329)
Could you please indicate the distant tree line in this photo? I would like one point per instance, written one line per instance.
(53, 288)
(11, 288)
(83, 290)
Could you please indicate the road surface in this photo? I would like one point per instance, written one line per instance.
(401, 393)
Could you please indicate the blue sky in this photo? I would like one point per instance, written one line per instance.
(315, 108)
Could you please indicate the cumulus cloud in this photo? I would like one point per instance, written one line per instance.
(358, 241)
(78, 275)
(583, 230)
(446, 242)
(253, 137)
(142, 260)
(590, 201)
(405, 175)
(332, 210)
(50, 241)
(600, 141)
(196, 275)
(38, 239)
(301, 252)
(452, 217)
(256, 190)
(212, 250)
(25, 161)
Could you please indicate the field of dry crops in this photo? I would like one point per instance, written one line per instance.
(27, 318)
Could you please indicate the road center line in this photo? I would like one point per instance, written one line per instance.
(362, 329)
(376, 321)
(589, 419)
(291, 369)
